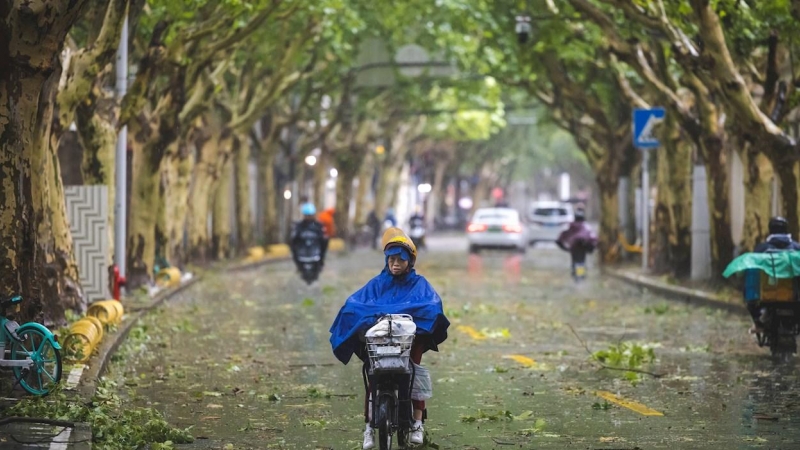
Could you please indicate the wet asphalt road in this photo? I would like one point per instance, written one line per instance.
(244, 359)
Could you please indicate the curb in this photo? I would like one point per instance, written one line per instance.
(90, 376)
(254, 264)
(97, 366)
(677, 293)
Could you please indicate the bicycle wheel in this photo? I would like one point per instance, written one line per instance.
(402, 436)
(384, 421)
(45, 373)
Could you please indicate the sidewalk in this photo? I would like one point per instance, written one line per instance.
(726, 299)
(82, 380)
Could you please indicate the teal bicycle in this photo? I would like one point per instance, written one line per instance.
(31, 351)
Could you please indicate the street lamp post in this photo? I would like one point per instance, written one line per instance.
(121, 169)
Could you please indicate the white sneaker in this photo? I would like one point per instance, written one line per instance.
(417, 434)
(369, 439)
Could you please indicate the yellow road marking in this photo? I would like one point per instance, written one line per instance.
(524, 360)
(633, 406)
(472, 332)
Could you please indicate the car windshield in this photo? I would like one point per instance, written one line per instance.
(551, 212)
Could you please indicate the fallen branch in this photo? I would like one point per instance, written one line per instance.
(603, 366)
(654, 375)
(499, 442)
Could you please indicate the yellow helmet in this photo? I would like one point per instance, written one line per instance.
(395, 237)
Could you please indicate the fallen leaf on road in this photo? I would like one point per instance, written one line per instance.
(524, 360)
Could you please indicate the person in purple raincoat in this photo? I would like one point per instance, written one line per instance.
(579, 240)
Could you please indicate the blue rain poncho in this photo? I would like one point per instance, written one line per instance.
(385, 294)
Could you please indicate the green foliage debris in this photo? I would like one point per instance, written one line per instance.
(626, 355)
(116, 425)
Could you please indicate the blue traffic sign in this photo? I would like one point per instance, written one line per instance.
(644, 120)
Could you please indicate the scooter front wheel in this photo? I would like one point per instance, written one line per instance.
(384, 417)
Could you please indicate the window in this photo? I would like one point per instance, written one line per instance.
(550, 212)
(496, 214)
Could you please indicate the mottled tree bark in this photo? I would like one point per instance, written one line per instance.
(31, 39)
(221, 230)
(480, 191)
(609, 218)
(213, 145)
(176, 177)
(789, 173)
(393, 161)
(151, 135)
(673, 215)
(244, 213)
(716, 162)
(144, 199)
(153, 128)
(267, 191)
(60, 281)
(344, 193)
(348, 162)
(438, 192)
(364, 186)
(758, 178)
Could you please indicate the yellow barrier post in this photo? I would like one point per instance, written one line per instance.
(107, 311)
(168, 277)
(336, 245)
(82, 338)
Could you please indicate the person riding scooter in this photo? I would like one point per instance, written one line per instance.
(578, 240)
(417, 229)
(398, 289)
(308, 233)
(779, 240)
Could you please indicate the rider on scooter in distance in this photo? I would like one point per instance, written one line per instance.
(779, 240)
(308, 226)
(578, 240)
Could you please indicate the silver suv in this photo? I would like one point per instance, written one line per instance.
(547, 220)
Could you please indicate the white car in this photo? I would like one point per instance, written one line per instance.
(496, 228)
(548, 219)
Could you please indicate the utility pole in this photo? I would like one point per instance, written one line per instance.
(644, 120)
(645, 208)
(121, 197)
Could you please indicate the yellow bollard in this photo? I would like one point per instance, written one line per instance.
(168, 277)
(336, 245)
(118, 306)
(255, 254)
(81, 340)
(278, 250)
(107, 311)
(97, 325)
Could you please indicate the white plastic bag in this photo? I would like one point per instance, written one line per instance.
(423, 386)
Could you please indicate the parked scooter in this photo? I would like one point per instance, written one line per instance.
(417, 231)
